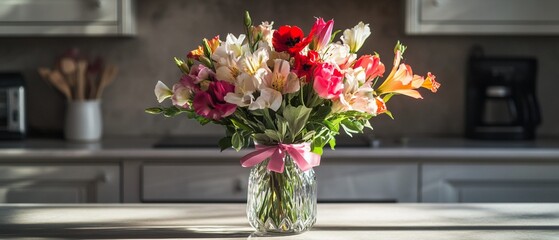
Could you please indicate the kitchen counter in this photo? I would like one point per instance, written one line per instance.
(228, 221)
(431, 149)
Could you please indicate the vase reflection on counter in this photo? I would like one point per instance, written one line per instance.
(281, 203)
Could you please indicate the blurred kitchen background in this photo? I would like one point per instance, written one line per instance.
(173, 27)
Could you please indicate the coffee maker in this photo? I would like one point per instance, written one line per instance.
(501, 99)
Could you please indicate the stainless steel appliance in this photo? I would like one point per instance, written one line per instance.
(12, 106)
(501, 99)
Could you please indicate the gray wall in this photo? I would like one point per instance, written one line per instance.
(173, 27)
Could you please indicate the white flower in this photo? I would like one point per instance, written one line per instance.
(362, 101)
(356, 36)
(354, 78)
(266, 31)
(338, 54)
(281, 79)
(245, 86)
(269, 98)
(253, 62)
(162, 92)
(181, 95)
(227, 57)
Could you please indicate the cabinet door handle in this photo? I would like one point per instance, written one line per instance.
(238, 186)
(96, 3)
(103, 178)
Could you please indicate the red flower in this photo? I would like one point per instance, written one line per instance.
(211, 103)
(290, 39)
(304, 65)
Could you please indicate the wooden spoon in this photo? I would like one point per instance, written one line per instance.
(56, 78)
(80, 83)
(107, 77)
(68, 67)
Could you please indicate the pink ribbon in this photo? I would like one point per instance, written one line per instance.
(300, 153)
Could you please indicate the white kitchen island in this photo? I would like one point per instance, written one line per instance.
(228, 221)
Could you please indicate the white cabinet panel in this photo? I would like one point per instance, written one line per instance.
(490, 183)
(49, 183)
(367, 182)
(67, 17)
(482, 17)
(194, 183)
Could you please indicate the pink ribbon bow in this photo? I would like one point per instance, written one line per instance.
(300, 153)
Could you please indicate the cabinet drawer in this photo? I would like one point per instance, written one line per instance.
(59, 11)
(367, 182)
(490, 183)
(42, 183)
(194, 183)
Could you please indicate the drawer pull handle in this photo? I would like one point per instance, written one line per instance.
(238, 186)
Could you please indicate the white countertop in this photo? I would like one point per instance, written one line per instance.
(228, 221)
(431, 149)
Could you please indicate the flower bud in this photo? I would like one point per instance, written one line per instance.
(248, 21)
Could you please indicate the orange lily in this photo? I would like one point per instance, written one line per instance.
(198, 52)
(402, 81)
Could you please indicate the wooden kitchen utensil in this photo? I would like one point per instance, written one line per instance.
(57, 80)
(80, 83)
(107, 77)
(68, 66)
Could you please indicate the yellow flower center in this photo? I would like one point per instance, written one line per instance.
(278, 82)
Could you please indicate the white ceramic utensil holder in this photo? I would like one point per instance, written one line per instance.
(83, 121)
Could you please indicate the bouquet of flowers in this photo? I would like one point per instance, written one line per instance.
(287, 92)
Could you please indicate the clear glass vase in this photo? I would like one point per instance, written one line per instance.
(281, 203)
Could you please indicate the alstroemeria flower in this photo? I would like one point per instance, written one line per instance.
(162, 92)
(362, 101)
(181, 95)
(328, 81)
(269, 98)
(430, 83)
(304, 65)
(322, 34)
(356, 36)
(401, 79)
(198, 52)
(265, 30)
(339, 54)
(281, 78)
(254, 62)
(211, 104)
(372, 65)
(245, 86)
(227, 56)
(290, 39)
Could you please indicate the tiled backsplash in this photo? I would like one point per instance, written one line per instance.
(173, 27)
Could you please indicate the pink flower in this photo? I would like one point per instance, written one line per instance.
(371, 64)
(322, 33)
(211, 104)
(198, 73)
(328, 81)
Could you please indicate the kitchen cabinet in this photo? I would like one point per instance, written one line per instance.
(59, 183)
(367, 182)
(427, 17)
(175, 182)
(67, 17)
(470, 183)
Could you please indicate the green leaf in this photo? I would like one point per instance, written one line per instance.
(320, 113)
(296, 118)
(237, 141)
(240, 125)
(332, 142)
(154, 110)
(225, 143)
(272, 134)
(387, 97)
(281, 123)
(389, 114)
(308, 136)
(262, 138)
(334, 35)
(350, 126)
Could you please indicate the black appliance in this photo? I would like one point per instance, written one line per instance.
(12, 106)
(501, 99)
